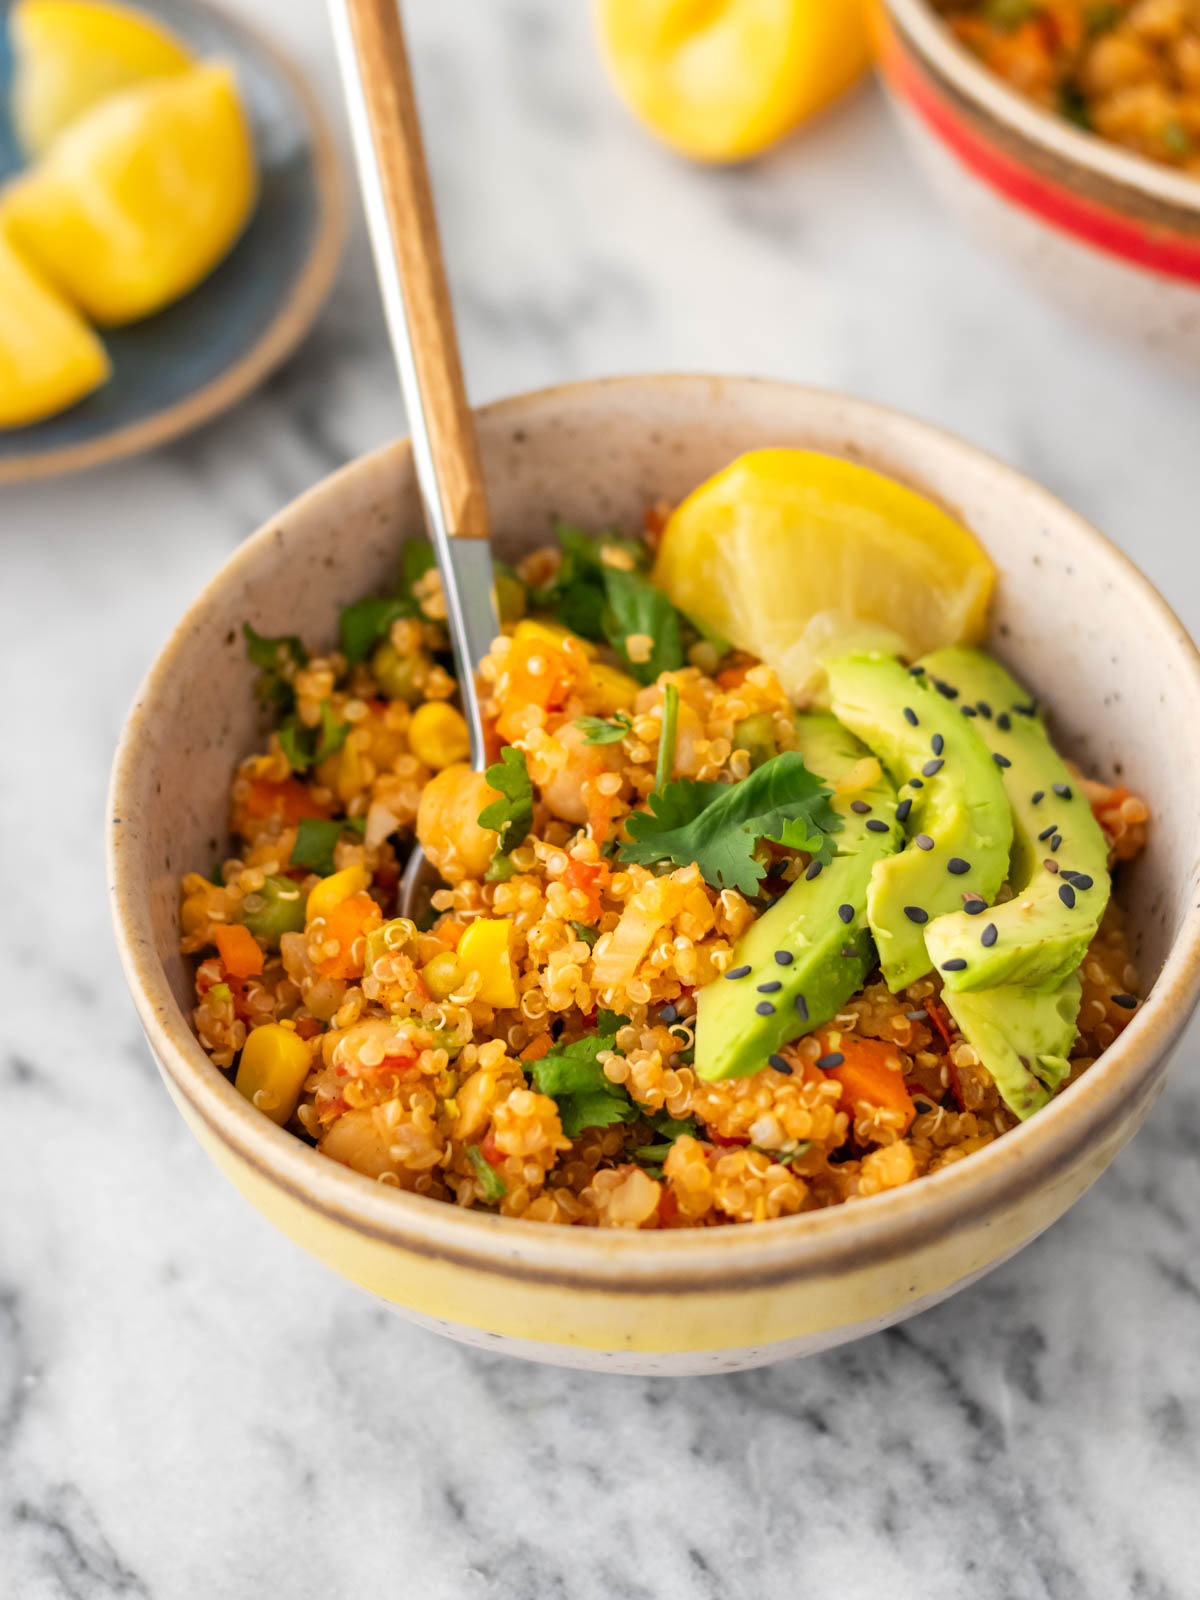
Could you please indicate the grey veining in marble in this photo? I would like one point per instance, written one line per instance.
(192, 1410)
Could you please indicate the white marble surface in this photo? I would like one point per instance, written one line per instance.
(191, 1409)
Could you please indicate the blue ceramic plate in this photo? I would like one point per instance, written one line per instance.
(180, 367)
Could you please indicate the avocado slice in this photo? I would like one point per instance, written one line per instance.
(799, 963)
(1023, 1039)
(1059, 868)
(952, 804)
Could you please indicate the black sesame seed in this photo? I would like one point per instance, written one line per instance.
(738, 972)
(1079, 879)
(813, 870)
(973, 905)
(833, 1059)
(875, 826)
(1001, 761)
(1062, 790)
(915, 783)
(1067, 895)
(1037, 797)
(1056, 842)
(946, 689)
(910, 716)
(1048, 833)
(772, 987)
(969, 711)
(937, 744)
(915, 914)
(916, 672)
(958, 866)
(917, 1016)
(902, 810)
(1004, 722)
(846, 913)
(931, 768)
(924, 842)
(802, 1007)
(765, 1008)
(989, 935)
(784, 958)
(860, 806)
(1127, 1002)
(956, 964)
(985, 710)
(779, 1064)
(668, 1014)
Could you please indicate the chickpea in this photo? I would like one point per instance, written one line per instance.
(561, 787)
(357, 1140)
(448, 823)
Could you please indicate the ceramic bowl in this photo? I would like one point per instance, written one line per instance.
(1110, 234)
(1072, 615)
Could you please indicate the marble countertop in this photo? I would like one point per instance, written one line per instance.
(189, 1407)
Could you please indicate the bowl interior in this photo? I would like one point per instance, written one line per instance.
(1072, 617)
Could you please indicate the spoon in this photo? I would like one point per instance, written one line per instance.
(390, 158)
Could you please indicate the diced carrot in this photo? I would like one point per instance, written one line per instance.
(541, 1044)
(536, 673)
(869, 1073)
(491, 1151)
(591, 878)
(722, 1140)
(732, 677)
(240, 950)
(668, 1208)
(291, 800)
(348, 922)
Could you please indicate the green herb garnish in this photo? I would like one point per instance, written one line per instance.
(588, 935)
(1010, 14)
(316, 838)
(512, 815)
(718, 825)
(269, 656)
(306, 747)
(667, 738)
(598, 730)
(490, 1181)
(1101, 17)
(610, 1021)
(635, 606)
(1073, 106)
(500, 869)
(361, 625)
(574, 1078)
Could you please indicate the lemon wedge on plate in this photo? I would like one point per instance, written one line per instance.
(795, 556)
(719, 80)
(49, 357)
(69, 54)
(140, 197)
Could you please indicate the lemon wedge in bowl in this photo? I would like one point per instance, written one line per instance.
(797, 556)
(69, 54)
(49, 357)
(140, 197)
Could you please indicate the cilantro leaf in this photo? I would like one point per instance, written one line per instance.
(588, 935)
(718, 825)
(365, 622)
(598, 730)
(610, 1021)
(635, 606)
(512, 815)
(316, 837)
(574, 1078)
(269, 656)
(490, 1181)
(307, 747)
(416, 559)
(667, 1127)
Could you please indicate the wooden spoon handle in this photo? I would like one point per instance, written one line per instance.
(391, 114)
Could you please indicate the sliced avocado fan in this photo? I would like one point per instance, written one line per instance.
(952, 804)
(799, 963)
(1023, 1039)
(1059, 867)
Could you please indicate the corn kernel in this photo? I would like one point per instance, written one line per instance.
(438, 735)
(271, 1073)
(333, 890)
(486, 948)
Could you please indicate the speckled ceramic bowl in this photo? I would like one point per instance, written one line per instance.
(1074, 618)
(1112, 235)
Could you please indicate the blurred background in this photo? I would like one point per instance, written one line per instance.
(189, 1407)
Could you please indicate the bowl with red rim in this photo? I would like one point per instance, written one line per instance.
(1111, 234)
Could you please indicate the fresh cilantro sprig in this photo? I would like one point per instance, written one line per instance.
(573, 1077)
(316, 838)
(599, 730)
(363, 624)
(512, 815)
(306, 747)
(718, 825)
(667, 738)
(269, 655)
(493, 1185)
(636, 608)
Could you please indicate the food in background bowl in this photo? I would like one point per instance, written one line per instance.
(703, 956)
(1128, 70)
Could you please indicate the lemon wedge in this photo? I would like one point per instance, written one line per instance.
(68, 54)
(49, 357)
(141, 196)
(720, 80)
(795, 556)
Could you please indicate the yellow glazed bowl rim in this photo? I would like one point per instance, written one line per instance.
(1073, 148)
(786, 1250)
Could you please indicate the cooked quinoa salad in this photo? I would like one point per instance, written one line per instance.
(1128, 70)
(703, 954)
